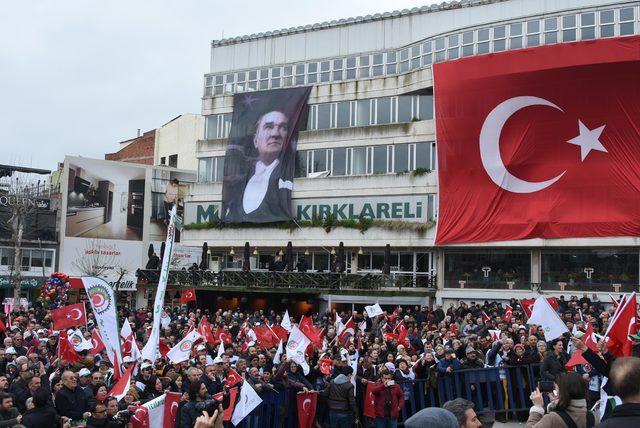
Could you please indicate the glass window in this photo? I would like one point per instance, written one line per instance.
(379, 160)
(211, 126)
(377, 261)
(499, 38)
(426, 53)
(321, 262)
(483, 41)
(48, 259)
(36, 258)
(515, 35)
(359, 161)
(467, 43)
(319, 160)
(312, 67)
(404, 108)
(453, 42)
(590, 267)
(7, 256)
(568, 28)
(204, 169)
(363, 113)
(550, 30)
(301, 164)
(425, 107)
(404, 60)
(342, 114)
(25, 258)
(364, 261)
(226, 124)
(275, 72)
(423, 155)
(440, 53)
(219, 168)
(324, 66)
(533, 33)
(486, 265)
(351, 62)
(363, 71)
(339, 161)
(401, 158)
(627, 15)
(383, 110)
(588, 26)
(606, 23)
(324, 116)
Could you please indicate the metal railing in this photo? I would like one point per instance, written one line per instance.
(288, 280)
(545, 286)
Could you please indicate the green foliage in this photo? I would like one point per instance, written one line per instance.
(420, 171)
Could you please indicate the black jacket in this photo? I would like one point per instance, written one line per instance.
(8, 419)
(340, 397)
(101, 423)
(42, 417)
(553, 365)
(188, 415)
(623, 416)
(71, 403)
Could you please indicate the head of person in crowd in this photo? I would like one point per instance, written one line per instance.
(464, 412)
(625, 375)
(432, 417)
(69, 380)
(84, 377)
(197, 391)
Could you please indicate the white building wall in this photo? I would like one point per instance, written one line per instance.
(180, 136)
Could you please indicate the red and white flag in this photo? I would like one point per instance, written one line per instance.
(96, 342)
(222, 335)
(129, 345)
(65, 349)
(507, 313)
(228, 411)
(204, 328)
(233, 378)
(623, 323)
(121, 387)
(369, 409)
(69, 316)
(160, 412)
(309, 330)
(527, 304)
(78, 341)
(348, 331)
(307, 402)
(188, 295)
(485, 317)
(524, 149)
(326, 364)
(589, 339)
(286, 321)
(249, 400)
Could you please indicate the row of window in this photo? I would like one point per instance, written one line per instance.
(533, 32)
(344, 114)
(379, 159)
(341, 161)
(35, 258)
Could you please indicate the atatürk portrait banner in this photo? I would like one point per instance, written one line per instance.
(260, 156)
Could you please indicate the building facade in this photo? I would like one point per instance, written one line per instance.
(369, 149)
(136, 150)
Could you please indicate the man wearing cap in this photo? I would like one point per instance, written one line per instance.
(18, 346)
(449, 363)
(471, 361)
(84, 382)
(146, 380)
(71, 401)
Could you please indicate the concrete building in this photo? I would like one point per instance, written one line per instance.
(370, 145)
(175, 142)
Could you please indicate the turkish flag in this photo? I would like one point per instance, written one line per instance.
(65, 349)
(163, 347)
(507, 313)
(527, 304)
(171, 405)
(306, 408)
(281, 332)
(69, 316)
(188, 295)
(228, 411)
(348, 331)
(223, 335)
(233, 378)
(623, 324)
(540, 143)
(96, 342)
(309, 330)
(266, 338)
(390, 336)
(369, 402)
(577, 358)
(325, 365)
(204, 328)
(485, 317)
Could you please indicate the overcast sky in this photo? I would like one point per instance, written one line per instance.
(76, 77)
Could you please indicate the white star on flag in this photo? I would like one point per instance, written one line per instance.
(588, 140)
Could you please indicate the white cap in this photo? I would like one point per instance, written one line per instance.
(11, 350)
(145, 365)
(127, 359)
(42, 331)
(84, 372)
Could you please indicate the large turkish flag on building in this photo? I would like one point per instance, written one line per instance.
(540, 143)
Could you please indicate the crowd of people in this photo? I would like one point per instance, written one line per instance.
(38, 388)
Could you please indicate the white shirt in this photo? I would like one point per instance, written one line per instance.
(257, 186)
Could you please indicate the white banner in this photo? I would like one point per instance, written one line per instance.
(182, 350)
(150, 350)
(103, 304)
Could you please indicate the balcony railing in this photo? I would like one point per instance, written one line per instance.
(256, 280)
(545, 286)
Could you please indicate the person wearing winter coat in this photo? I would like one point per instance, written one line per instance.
(341, 402)
(388, 400)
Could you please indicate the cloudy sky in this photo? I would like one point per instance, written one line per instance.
(78, 76)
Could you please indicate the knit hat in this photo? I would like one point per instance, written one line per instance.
(433, 417)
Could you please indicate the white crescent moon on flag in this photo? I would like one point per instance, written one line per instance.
(76, 318)
(94, 343)
(174, 408)
(490, 145)
(304, 403)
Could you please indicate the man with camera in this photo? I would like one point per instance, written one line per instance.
(388, 400)
(190, 411)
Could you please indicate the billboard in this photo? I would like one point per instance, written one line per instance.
(167, 187)
(260, 155)
(105, 200)
(540, 143)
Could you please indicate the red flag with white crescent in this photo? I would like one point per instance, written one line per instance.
(507, 314)
(307, 402)
(171, 405)
(369, 402)
(204, 328)
(524, 149)
(233, 378)
(69, 316)
(123, 384)
(96, 342)
(188, 295)
(228, 411)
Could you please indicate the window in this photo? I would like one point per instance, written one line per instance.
(264, 78)
(383, 110)
(379, 161)
(6, 256)
(404, 60)
(569, 28)
(218, 86)
(325, 73)
(321, 261)
(440, 53)
(324, 116)
(363, 70)
(351, 68)
(606, 23)
(363, 118)
(48, 259)
(423, 155)
(426, 53)
(483, 41)
(392, 67)
(339, 161)
(299, 74)
(467, 43)
(358, 161)
(425, 107)
(312, 72)
(36, 258)
(404, 109)
(401, 158)
(318, 160)
(252, 84)
(229, 83)
(173, 161)
(588, 26)
(550, 30)
(627, 15)
(343, 114)
(338, 64)
(275, 77)
(378, 67)
(301, 164)
(211, 169)
(288, 79)
(453, 42)
(609, 266)
(515, 35)
(533, 33)
(163, 160)
(415, 57)
(240, 79)
(499, 38)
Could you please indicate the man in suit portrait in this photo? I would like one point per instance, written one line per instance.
(263, 193)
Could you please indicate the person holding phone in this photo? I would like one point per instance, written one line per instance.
(388, 400)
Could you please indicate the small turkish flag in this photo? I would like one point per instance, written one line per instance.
(69, 316)
(188, 295)
(228, 411)
(204, 328)
(577, 358)
(325, 365)
(539, 143)
(623, 323)
(171, 405)
(233, 378)
(369, 402)
(222, 335)
(307, 402)
(507, 313)
(65, 349)
(96, 342)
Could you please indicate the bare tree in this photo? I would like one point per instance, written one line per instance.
(93, 260)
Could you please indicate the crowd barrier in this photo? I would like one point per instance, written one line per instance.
(496, 390)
